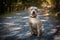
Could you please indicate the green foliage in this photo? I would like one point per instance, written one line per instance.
(12, 5)
(15, 5)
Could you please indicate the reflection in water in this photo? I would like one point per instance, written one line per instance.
(43, 20)
(17, 27)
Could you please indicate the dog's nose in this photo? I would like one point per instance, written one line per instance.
(33, 12)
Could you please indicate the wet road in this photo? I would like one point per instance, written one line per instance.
(16, 27)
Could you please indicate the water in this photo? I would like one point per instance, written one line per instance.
(16, 27)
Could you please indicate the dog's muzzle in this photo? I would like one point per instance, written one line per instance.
(33, 12)
(33, 15)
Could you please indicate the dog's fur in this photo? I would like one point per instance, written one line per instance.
(35, 23)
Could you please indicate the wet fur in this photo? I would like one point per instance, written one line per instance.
(35, 24)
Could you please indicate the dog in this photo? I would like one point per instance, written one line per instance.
(34, 21)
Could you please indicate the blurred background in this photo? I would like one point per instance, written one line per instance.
(14, 19)
(8, 6)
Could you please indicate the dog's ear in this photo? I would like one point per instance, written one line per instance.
(29, 9)
(39, 11)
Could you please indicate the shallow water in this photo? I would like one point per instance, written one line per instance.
(16, 27)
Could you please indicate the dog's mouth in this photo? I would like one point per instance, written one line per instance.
(33, 16)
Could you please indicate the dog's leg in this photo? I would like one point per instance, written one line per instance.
(31, 28)
(38, 30)
(32, 32)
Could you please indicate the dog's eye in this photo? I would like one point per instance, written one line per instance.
(36, 9)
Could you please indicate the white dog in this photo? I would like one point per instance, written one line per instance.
(34, 21)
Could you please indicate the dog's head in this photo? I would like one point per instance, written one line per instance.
(33, 11)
